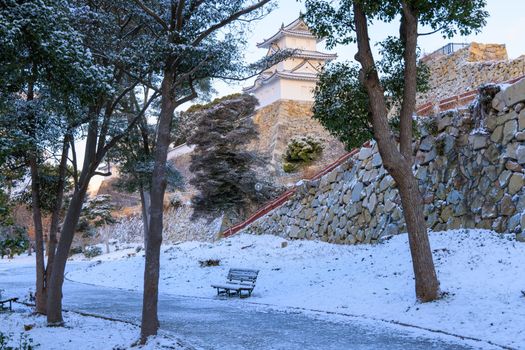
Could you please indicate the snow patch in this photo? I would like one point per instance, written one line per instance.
(480, 273)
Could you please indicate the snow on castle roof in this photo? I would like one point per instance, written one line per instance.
(297, 28)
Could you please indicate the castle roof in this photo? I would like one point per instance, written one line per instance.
(314, 54)
(301, 69)
(297, 28)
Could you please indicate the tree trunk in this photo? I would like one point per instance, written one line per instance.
(91, 161)
(150, 322)
(54, 300)
(397, 164)
(427, 284)
(145, 200)
(55, 215)
(40, 295)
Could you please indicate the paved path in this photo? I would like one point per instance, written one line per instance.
(232, 324)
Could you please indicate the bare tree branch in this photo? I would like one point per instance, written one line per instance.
(228, 20)
(130, 126)
(142, 81)
(179, 19)
(432, 32)
(102, 174)
(152, 14)
(121, 96)
(74, 163)
(189, 97)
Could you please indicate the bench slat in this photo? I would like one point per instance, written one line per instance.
(233, 286)
(238, 280)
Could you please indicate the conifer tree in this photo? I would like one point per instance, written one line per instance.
(224, 170)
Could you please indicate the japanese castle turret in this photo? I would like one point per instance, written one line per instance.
(294, 78)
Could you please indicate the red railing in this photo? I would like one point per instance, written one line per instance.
(455, 101)
(261, 212)
(283, 198)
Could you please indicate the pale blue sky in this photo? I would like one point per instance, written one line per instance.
(504, 26)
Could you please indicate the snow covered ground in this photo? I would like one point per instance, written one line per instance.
(82, 332)
(481, 275)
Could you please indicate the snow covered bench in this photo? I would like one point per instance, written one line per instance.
(9, 300)
(239, 282)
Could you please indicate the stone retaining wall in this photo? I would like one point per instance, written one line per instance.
(468, 68)
(280, 122)
(469, 163)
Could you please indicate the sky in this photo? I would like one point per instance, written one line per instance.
(504, 26)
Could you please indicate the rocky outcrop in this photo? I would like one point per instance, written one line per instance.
(469, 68)
(470, 168)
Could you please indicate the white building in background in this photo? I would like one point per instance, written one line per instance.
(295, 77)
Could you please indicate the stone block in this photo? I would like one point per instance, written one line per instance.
(513, 166)
(370, 203)
(507, 207)
(357, 192)
(429, 156)
(521, 120)
(509, 131)
(478, 141)
(364, 153)
(514, 223)
(444, 122)
(454, 197)
(421, 173)
(520, 154)
(516, 183)
(427, 143)
(376, 160)
(514, 93)
(520, 136)
(498, 103)
(510, 150)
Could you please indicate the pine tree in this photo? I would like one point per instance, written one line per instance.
(224, 170)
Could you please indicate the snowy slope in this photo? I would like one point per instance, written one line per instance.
(481, 275)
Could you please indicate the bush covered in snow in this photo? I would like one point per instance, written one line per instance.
(301, 150)
(92, 251)
(178, 226)
(7, 342)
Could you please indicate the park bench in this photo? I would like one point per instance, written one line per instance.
(3, 302)
(238, 282)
